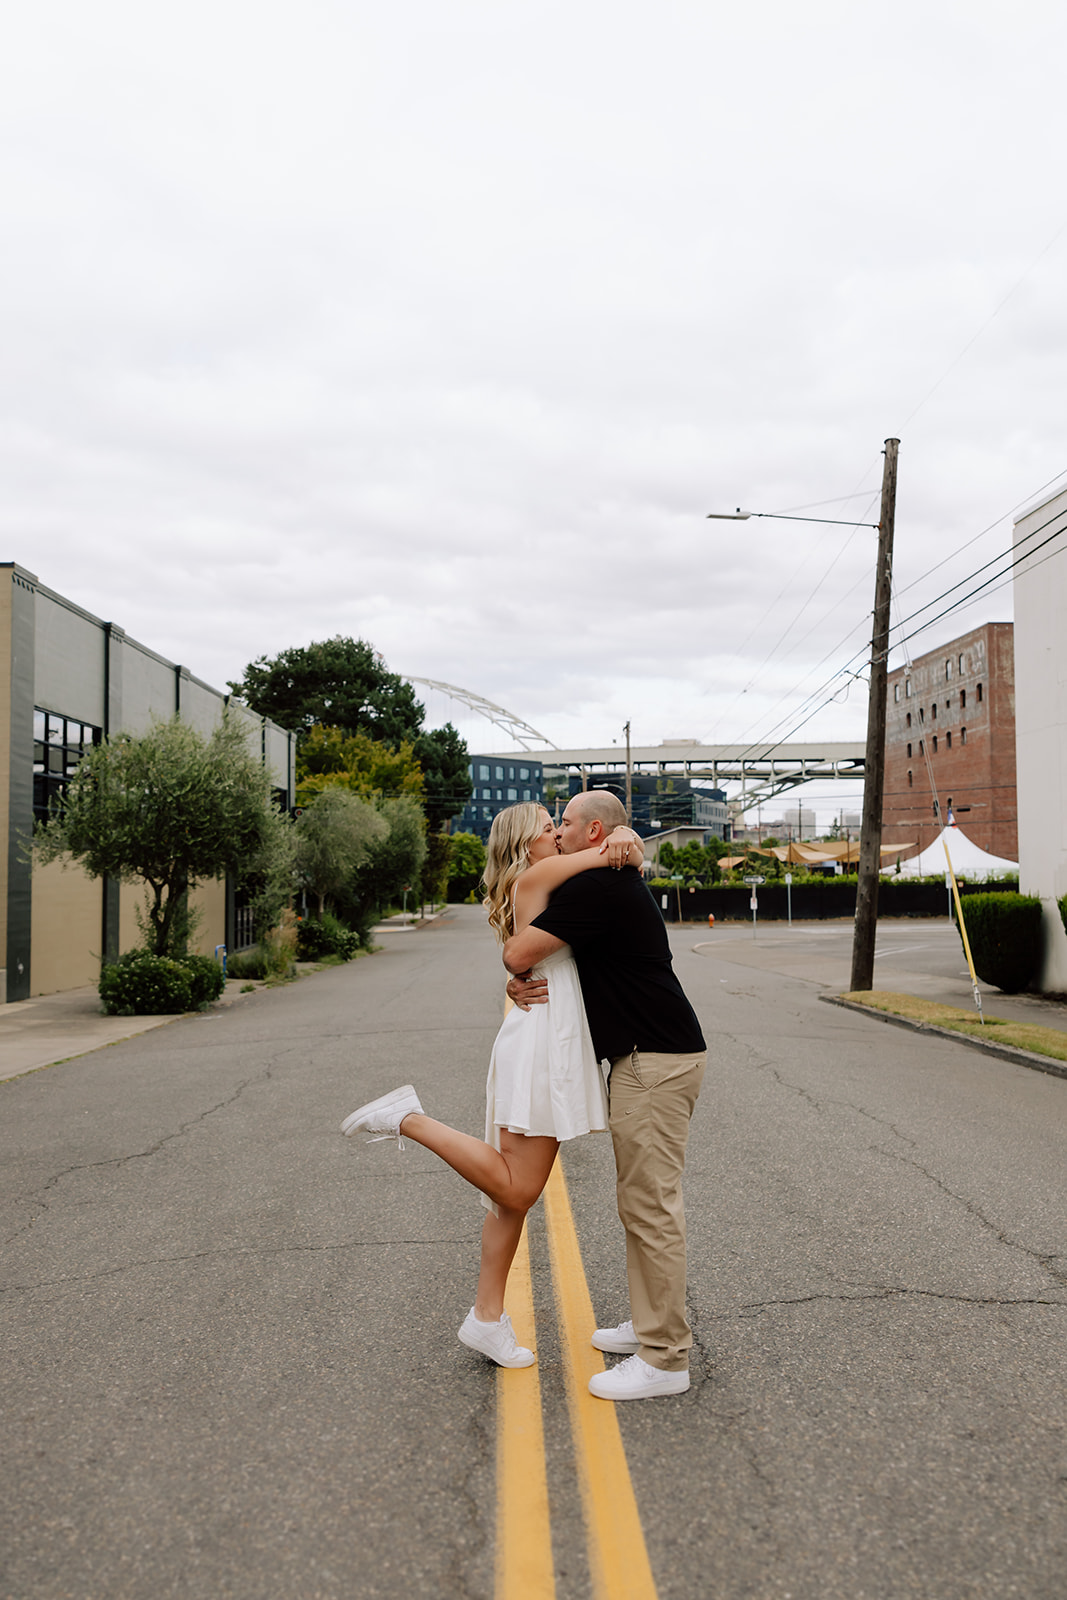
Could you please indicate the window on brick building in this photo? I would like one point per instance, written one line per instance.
(979, 694)
(910, 779)
(948, 669)
(921, 750)
(935, 744)
(922, 716)
(907, 688)
(933, 712)
(909, 752)
(963, 699)
(948, 741)
(896, 691)
(960, 665)
(907, 720)
(963, 736)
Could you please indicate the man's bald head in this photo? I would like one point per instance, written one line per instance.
(589, 818)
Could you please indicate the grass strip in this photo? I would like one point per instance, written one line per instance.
(1023, 1035)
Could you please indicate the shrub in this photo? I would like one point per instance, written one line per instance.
(326, 936)
(1063, 911)
(206, 978)
(279, 946)
(1005, 934)
(143, 985)
(247, 964)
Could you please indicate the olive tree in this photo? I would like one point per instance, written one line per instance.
(171, 809)
(334, 837)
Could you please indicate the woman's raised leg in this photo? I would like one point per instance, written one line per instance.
(512, 1176)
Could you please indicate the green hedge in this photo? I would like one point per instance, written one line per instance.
(1005, 933)
(143, 985)
(326, 936)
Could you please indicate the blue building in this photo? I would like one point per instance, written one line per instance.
(498, 782)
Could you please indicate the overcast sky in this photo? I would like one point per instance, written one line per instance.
(445, 325)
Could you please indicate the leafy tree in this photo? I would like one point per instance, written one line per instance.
(329, 757)
(434, 881)
(169, 809)
(338, 682)
(393, 861)
(270, 876)
(444, 759)
(334, 838)
(466, 866)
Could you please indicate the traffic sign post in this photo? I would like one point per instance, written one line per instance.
(789, 898)
(754, 880)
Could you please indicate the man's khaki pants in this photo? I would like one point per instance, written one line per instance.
(651, 1099)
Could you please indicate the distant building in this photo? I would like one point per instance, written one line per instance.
(678, 838)
(798, 823)
(656, 803)
(1041, 731)
(952, 714)
(498, 782)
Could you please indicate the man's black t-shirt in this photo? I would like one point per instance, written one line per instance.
(632, 998)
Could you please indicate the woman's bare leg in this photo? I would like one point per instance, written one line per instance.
(500, 1240)
(512, 1176)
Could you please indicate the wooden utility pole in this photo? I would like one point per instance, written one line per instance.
(874, 765)
(629, 779)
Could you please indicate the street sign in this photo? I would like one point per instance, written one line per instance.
(754, 879)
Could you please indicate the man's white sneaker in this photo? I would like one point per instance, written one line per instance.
(636, 1380)
(495, 1340)
(621, 1341)
(382, 1118)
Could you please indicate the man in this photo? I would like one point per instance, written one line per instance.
(644, 1027)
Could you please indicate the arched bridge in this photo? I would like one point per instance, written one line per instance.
(763, 771)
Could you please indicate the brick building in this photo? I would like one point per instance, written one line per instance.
(956, 706)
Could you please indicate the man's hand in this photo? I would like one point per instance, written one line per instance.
(526, 991)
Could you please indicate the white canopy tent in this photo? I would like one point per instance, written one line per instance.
(968, 861)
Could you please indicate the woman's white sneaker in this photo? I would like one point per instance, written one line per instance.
(621, 1341)
(636, 1380)
(381, 1118)
(495, 1340)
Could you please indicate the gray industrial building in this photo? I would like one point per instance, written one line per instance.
(68, 680)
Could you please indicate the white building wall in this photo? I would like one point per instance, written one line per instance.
(1041, 719)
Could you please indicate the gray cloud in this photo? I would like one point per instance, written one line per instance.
(446, 326)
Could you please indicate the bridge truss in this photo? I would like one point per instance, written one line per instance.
(762, 772)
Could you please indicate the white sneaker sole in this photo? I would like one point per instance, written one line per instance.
(358, 1119)
(525, 1359)
(667, 1383)
(607, 1339)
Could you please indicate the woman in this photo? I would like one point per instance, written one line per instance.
(544, 1081)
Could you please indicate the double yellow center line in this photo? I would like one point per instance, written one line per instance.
(618, 1558)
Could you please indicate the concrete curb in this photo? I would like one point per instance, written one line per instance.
(1005, 1052)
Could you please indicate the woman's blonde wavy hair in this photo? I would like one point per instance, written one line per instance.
(507, 857)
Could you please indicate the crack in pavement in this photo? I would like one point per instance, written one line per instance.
(36, 1196)
(226, 1251)
(1046, 1261)
(888, 1292)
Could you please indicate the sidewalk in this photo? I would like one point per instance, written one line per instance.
(54, 1027)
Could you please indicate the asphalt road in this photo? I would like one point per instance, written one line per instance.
(230, 1365)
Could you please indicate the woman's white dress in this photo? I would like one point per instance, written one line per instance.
(544, 1078)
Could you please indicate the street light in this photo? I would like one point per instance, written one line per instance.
(781, 516)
